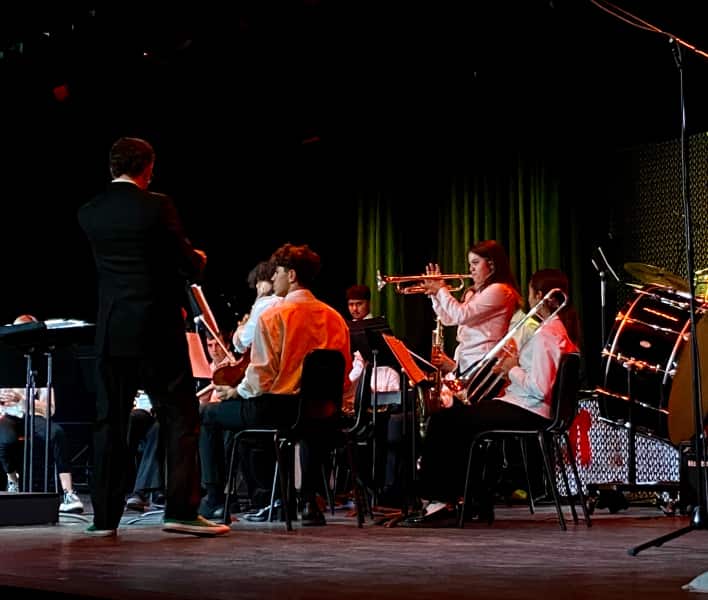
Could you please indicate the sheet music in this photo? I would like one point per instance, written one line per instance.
(200, 364)
(65, 323)
(404, 358)
(207, 315)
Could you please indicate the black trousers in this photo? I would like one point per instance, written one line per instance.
(168, 381)
(449, 434)
(236, 414)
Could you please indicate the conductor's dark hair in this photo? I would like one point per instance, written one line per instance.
(130, 156)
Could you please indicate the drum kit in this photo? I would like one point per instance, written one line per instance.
(646, 372)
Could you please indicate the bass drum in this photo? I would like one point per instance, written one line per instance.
(640, 359)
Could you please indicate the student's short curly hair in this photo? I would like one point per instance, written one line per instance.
(301, 259)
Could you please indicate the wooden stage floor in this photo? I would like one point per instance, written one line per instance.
(519, 556)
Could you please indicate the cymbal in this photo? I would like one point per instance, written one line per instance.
(680, 420)
(650, 274)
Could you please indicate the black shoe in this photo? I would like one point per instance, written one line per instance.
(211, 511)
(442, 516)
(312, 516)
(480, 512)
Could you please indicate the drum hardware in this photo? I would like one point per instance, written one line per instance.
(611, 495)
(650, 332)
(639, 364)
(602, 266)
(700, 284)
(653, 275)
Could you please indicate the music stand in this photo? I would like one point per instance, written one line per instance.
(31, 339)
(410, 371)
(365, 338)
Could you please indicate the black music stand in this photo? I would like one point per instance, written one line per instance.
(410, 372)
(34, 339)
(365, 337)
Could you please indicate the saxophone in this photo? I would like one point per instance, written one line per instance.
(429, 399)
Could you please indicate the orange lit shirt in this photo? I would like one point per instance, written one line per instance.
(284, 334)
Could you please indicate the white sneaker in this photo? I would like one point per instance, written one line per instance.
(434, 507)
(13, 487)
(71, 503)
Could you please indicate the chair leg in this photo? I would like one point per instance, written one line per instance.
(576, 476)
(273, 485)
(525, 460)
(461, 516)
(328, 488)
(284, 488)
(558, 456)
(230, 479)
(551, 478)
(357, 487)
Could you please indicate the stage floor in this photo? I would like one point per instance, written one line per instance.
(519, 556)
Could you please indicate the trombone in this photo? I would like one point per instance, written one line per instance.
(480, 381)
(410, 284)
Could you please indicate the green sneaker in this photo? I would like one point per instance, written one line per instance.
(95, 532)
(200, 526)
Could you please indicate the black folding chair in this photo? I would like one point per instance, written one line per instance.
(565, 407)
(319, 420)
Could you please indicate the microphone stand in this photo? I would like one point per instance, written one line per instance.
(603, 311)
(698, 518)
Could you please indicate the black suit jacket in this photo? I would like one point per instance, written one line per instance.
(143, 260)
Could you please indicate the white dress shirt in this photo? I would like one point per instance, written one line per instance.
(482, 319)
(531, 383)
(243, 336)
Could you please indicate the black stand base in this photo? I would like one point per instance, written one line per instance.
(28, 508)
(698, 521)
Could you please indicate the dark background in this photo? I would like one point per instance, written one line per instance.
(267, 122)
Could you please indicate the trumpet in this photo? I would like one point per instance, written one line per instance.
(410, 284)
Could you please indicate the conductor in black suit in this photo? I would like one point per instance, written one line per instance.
(143, 259)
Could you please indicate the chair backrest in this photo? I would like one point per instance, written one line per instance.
(565, 392)
(362, 401)
(321, 389)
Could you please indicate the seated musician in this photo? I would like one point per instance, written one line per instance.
(267, 396)
(525, 401)
(13, 410)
